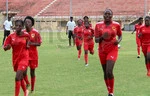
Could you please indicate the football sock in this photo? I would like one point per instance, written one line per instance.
(79, 53)
(32, 83)
(86, 58)
(26, 79)
(17, 87)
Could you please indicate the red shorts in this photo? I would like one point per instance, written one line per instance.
(145, 49)
(89, 46)
(21, 65)
(138, 42)
(78, 42)
(112, 55)
(33, 64)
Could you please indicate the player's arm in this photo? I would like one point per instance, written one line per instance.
(38, 41)
(119, 33)
(7, 43)
(99, 38)
(133, 31)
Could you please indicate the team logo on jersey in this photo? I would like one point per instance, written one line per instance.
(32, 35)
(113, 28)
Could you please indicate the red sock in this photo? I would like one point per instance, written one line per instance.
(32, 83)
(147, 67)
(86, 58)
(79, 53)
(23, 85)
(111, 84)
(138, 49)
(17, 87)
(26, 79)
(107, 84)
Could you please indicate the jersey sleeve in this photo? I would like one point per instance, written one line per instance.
(39, 39)
(7, 41)
(97, 32)
(119, 32)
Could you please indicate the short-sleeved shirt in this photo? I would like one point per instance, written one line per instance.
(145, 38)
(8, 25)
(113, 30)
(34, 37)
(78, 31)
(71, 25)
(137, 28)
(19, 47)
(88, 33)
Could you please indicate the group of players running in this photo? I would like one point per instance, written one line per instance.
(107, 33)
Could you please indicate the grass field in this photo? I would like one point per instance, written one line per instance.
(61, 74)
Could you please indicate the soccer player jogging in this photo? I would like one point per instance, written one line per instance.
(86, 19)
(18, 41)
(88, 41)
(78, 35)
(144, 35)
(35, 40)
(105, 34)
(137, 27)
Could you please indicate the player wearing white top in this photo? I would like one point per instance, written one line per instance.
(7, 27)
(69, 30)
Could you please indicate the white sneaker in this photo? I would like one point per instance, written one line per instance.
(78, 58)
(86, 64)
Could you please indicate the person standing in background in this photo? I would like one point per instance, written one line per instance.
(7, 27)
(69, 30)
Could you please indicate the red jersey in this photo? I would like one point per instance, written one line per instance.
(88, 35)
(34, 37)
(113, 30)
(78, 31)
(19, 47)
(137, 28)
(145, 38)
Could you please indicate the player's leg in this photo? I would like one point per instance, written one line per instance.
(86, 53)
(18, 79)
(111, 59)
(148, 60)
(26, 79)
(33, 65)
(73, 38)
(69, 36)
(79, 51)
(33, 79)
(102, 58)
(91, 48)
(138, 46)
(5, 34)
(144, 50)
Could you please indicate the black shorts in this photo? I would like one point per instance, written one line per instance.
(70, 34)
(6, 33)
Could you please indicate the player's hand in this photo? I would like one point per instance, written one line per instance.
(66, 33)
(80, 38)
(7, 47)
(116, 42)
(139, 35)
(105, 35)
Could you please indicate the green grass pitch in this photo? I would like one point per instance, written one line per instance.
(61, 74)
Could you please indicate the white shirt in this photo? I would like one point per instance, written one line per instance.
(71, 25)
(8, 25)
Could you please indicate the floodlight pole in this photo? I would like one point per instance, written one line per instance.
(70, 8)
(7, 9)
(145, 8)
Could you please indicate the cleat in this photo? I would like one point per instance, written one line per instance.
(110, 94)
(86, 64)
(27, 86)
(138, 56)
